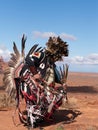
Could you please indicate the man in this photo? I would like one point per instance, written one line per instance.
(41, 63)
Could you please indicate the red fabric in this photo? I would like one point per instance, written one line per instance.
(31, 97)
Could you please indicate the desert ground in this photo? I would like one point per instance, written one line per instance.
(80, 113)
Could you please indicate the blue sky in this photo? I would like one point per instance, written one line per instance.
(75, 21)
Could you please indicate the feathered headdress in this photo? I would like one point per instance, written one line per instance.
(57, 48)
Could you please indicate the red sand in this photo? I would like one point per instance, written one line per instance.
(80, 114)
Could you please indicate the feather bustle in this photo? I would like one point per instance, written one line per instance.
(15, 60)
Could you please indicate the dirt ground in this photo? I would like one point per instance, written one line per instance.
(80, 113)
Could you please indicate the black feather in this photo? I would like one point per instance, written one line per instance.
(15, 49)
(23, 44)
(32, 50)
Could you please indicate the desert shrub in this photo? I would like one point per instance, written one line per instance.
(5, 101)
(60, 128)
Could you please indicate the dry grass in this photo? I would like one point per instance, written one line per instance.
(70, 104)
(60, 127)
(5, 101)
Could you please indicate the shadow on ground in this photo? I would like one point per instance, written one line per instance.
(82, 89)
(64, 116)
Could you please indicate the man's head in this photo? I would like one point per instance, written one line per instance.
(57, 48)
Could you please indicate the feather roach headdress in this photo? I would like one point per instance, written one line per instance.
(57, 48)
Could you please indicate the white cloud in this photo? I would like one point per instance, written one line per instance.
(68, 36)
(38, 34)
(5, 53)
(91, 59)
